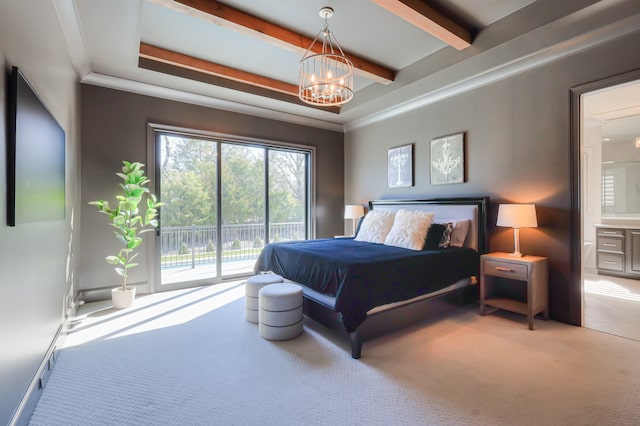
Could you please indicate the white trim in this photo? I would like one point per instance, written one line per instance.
(29, 400)
(432, 88)
(504, 70)
(67, 12)
(207, 101)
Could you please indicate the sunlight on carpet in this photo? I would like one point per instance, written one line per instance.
(152, 312)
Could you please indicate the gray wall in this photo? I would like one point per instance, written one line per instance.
(36, 260)
(114, 128)
(517, 150)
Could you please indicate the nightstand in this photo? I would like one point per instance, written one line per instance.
(501, 268)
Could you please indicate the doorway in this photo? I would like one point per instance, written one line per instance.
(609, 213)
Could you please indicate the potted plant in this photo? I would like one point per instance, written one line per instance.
(129, 225)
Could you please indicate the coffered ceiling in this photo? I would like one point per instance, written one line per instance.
(243, 55)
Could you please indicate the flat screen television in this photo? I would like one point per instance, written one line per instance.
(35, 157)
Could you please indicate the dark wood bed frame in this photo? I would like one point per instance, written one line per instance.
(396, 318)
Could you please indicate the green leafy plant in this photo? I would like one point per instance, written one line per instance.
(129, 224)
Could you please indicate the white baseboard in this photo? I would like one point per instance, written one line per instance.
(28, 403)
(104, 293)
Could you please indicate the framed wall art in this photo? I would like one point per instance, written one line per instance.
(447, 159)
(400, 166)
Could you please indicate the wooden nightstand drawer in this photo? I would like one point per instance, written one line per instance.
(612, 262)
(610, 244)
(505, 269)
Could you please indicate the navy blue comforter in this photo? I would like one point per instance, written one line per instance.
(364, 275)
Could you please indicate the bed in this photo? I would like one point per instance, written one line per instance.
(365, 289)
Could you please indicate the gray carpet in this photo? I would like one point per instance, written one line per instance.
(190, 358)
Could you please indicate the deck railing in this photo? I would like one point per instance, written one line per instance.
(190, 246)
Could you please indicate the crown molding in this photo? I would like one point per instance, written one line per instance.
(67, 12)
(147, 89)
(498, 72)
(68, 17)
(479, 70)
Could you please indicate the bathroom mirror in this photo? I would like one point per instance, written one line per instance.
(621, 167)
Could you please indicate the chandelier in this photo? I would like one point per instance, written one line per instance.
(326, 78)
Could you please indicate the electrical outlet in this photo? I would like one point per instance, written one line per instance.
(44, 377)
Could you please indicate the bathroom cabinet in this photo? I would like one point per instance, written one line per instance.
(618, 250)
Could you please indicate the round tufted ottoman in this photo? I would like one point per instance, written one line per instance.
(280, 311)
(252, 288)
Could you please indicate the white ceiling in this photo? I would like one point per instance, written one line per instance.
(510, 36)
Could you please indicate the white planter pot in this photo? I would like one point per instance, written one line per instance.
(123, 298)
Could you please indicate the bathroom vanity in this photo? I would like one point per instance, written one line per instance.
(618, 250)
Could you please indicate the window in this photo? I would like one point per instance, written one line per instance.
(224, 198)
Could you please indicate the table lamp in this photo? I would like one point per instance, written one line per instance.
(353, 212)
(517, 216)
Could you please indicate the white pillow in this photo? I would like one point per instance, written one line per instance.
(375, 226)
(459, 231)
(409, 229)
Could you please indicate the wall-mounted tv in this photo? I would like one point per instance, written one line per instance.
(35, 157)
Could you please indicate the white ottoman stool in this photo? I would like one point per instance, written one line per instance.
(280, 311)
(252, 288)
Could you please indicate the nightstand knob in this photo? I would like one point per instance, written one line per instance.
(501, 268)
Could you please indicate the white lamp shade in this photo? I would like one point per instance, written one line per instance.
(517, 216)
(353, 211)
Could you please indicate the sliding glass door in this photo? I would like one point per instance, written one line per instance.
(287, 195)
(243, 212)
(223, 200)
(188, 182)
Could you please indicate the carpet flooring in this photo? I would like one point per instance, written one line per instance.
(190, 358)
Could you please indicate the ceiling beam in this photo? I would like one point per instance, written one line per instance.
(169, 62)
(174, 63)
(423, 16)
(237, 20)
(181, 60)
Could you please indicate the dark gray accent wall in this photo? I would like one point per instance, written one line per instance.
(517, 135)
(37, 260)
(114, 126)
